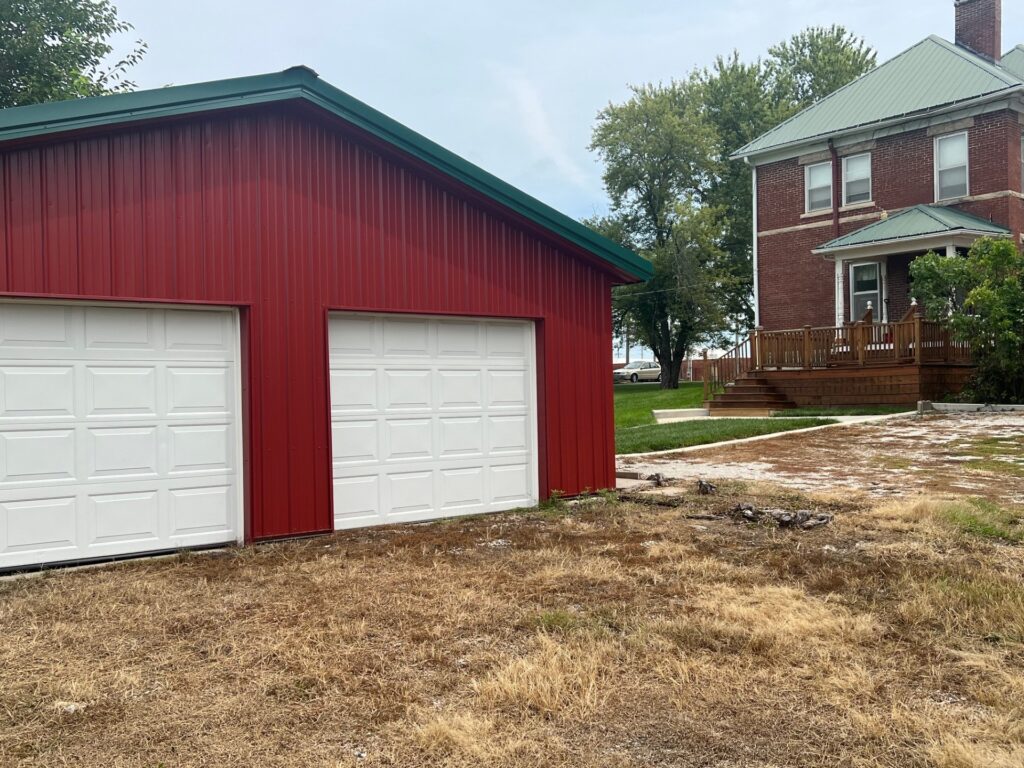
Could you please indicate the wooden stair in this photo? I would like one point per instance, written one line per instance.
(749, 395)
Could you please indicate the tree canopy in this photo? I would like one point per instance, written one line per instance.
(677, 198)
(57, 49)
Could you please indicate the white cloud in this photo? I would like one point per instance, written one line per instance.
(529, 109)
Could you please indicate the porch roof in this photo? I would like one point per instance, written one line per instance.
(923, 226)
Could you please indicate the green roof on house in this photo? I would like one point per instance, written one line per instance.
(930, 75)
(1014, 61)
(302, 83)
(921, 221)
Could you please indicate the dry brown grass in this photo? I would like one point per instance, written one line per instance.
(605, 635)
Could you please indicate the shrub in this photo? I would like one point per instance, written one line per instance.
(981, 300)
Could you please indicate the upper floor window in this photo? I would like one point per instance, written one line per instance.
(857, 179)
(951, 171)
(818, 186)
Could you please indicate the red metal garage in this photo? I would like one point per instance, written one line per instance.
(283, 200)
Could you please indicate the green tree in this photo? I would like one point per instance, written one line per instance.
(656, 149)
(816, 62)
(681, 306)
(55, 49)
(743, 101)
(666, 157)
(981, 299)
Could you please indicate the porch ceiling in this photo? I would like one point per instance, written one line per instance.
(919, 228)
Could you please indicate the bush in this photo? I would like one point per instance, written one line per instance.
(981, 300)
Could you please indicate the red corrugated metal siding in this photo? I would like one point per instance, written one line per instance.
(288, 215)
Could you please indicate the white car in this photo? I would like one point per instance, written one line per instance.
(636, 371)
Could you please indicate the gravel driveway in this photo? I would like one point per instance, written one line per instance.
(974, 454)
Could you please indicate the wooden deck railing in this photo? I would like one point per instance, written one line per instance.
(911, 341)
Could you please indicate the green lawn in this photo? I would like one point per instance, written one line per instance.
(663, 437)
(634, 402)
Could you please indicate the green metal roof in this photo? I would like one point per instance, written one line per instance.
(1013, 62)
(913, 223)
(932, 74)
(303, 83)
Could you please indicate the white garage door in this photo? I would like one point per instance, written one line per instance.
(118, 430)
(431, 417)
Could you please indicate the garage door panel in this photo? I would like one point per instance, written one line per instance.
(454, 419)
(202, 510)
(506, 341)
(121, 391)
(353, 337)
(192, 332)
(30, 327)
(122, 452)
(409, 492)
(461, 488)
(355, 442)
(460, 389)
(353, 390)
(48, 526)
(456, 339)
(461, 436)
(37, 391)
(509, 483)
(199, 448)
(33, 456)
(409, 439)
(198, 391)
(407, 389)
(406, 338)
(507, 434)
(121, 518)
(118, 328)
(356, 501)
(115, 444)
(506, 389)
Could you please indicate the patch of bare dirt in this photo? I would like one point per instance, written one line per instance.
(979, 454)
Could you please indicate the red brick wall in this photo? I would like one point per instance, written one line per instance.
(797, 288)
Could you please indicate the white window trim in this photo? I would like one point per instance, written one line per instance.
(880, 313)
(935, 163)
(807, 188)
(871, 179)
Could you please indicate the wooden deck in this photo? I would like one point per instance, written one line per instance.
(860, 364)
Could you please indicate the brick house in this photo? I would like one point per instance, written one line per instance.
(922, 153)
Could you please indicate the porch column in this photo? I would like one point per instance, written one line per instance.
(950, 250)
(840, 293)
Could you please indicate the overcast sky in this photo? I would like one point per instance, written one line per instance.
(512, 86)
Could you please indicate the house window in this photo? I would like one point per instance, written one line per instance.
(818, 186)
(857, 179)
(865, 287)
(951, 170)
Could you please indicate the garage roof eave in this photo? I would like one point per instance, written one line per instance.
(303, 83)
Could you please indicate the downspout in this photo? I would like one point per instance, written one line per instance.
(837, 188)
(757, 292)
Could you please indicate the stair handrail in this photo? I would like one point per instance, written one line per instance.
(722, 371)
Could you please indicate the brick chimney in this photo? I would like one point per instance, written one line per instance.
(979, 27)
